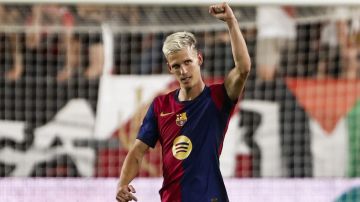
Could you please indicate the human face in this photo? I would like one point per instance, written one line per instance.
(185, 66)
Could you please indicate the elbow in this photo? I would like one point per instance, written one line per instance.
(245, 66)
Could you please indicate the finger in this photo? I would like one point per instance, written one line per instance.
(219, 9)
(127, 197)
(132, 189)
(226, 6)
(216, 9)
(120, 199)
(123, 195)
(131, 196)
(211, 10)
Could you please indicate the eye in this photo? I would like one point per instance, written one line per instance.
(187, 62)
(176, 66)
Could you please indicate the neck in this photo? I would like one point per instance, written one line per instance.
(187, 94)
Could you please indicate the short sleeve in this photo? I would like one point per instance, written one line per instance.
(221, 98)
(149, 133)
(228, 103)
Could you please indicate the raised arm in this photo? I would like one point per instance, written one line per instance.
(235, 81)
(129, 171)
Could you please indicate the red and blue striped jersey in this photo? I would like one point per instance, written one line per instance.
(191, 134)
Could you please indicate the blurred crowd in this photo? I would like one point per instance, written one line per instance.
(50, 54)
(52, 37)
(40, 45)
(323, 49)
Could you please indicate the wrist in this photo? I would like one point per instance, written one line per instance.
(232, 18)
(122, 182)
(122, 185)
(231, 21)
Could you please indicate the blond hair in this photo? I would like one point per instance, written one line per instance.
(177, 41)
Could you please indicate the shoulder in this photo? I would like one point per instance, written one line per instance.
(164, 99)
(217, 92)
(220, 96)
(217, 88)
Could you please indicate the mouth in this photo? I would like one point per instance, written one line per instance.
(185, 79)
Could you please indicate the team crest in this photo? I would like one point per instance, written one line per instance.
(181, 119)
(182, 147)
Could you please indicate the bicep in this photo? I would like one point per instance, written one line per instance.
(234, 83)
(139, 149)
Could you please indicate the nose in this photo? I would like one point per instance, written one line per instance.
(183, 69)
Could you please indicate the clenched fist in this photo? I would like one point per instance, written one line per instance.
(222, 12)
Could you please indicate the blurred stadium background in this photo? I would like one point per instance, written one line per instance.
(77, 78)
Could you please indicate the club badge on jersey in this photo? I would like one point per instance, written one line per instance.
(181, 119)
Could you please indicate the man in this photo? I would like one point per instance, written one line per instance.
(190, 122)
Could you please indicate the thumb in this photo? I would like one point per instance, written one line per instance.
(132, 189)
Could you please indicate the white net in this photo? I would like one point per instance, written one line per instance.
(298, 117)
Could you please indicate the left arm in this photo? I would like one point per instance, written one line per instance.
(235, 81)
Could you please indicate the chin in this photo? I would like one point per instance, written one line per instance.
(186, 86)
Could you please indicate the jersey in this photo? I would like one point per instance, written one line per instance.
(191, 134)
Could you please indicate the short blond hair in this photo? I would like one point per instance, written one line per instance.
(177, 41)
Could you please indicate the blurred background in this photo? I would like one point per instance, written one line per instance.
(77, 78)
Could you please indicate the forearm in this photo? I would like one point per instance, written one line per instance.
(129, 169)
(238, 45)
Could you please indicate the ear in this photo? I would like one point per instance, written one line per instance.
(169, 67)
(200, 58)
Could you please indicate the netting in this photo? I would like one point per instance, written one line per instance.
(76, 81)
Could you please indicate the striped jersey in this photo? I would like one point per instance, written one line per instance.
(191, 134)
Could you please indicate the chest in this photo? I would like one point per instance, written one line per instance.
(188, 119)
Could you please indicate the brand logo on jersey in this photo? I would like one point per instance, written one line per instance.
(181, 119)
(182, 147)
(162, 114)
